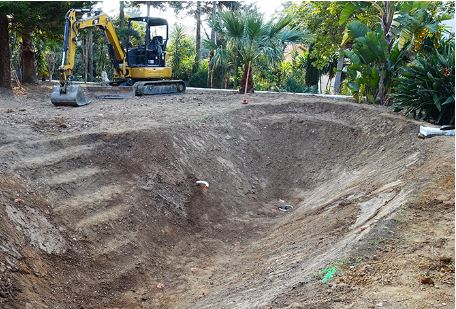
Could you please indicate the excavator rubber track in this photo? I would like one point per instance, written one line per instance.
(159, 87)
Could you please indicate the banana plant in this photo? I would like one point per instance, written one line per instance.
(421, 24)
(372, 61)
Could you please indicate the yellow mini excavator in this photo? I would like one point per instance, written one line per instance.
(139, 70)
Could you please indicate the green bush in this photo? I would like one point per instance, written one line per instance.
(262, 84)
(425, 87)
(199, 77)
(296, 84)
(181, 51)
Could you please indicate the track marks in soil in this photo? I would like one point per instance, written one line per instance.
(44, 159)
(75, 175)
(87, 200)
(109, 214)
(115, 244)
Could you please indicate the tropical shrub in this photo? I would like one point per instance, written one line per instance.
(425, 87)
(379, 47)
(199, 77)
(295, 84)
(262, 83)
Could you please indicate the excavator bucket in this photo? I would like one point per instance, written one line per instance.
(74, 96)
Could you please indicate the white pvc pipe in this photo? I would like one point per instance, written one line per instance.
(202, 183)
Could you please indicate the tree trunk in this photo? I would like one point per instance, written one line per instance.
(148, 8)
(5, 55)
(90, 55)
(243, 80)
(51, 59)
(381, 94)
(320, 84)
(338, 80)
(328, 85)
(198, 36)
(210, 69)
(121, 14)
(28, 59)
(84, 57)
(387, 19)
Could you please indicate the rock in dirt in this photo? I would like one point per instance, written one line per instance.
(37, 229)
(445, 259)
(426, 280)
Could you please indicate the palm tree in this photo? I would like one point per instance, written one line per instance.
(247, 37)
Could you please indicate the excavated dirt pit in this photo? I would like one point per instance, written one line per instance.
(101, 209)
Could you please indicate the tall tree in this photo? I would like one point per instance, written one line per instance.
(121, 14)
(5, 64)
(198, 36)
(321, 19)
(213, 40)
(218, 67)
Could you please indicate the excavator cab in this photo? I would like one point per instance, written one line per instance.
(151, 51)
(146, 57)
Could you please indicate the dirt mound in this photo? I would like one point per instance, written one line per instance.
(113, 218)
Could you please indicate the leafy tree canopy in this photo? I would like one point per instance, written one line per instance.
(46, 17)
(321, 19)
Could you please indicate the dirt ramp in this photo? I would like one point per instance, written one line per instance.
(292, 187)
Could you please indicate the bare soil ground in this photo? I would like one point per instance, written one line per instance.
(99, 207)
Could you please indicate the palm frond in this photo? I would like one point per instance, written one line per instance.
(254, 26)
(209, 44)
(294, 36)
(233, 24)
(280, 24)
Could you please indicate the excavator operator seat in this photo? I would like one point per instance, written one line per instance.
(156, 45)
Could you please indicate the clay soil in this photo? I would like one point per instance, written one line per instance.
(99, 206)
